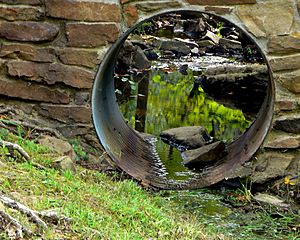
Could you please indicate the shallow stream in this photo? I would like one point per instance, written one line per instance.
(167, 97)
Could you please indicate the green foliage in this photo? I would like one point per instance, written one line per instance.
(81, 154)
(219, 28)
(170, 105)
(142, 28)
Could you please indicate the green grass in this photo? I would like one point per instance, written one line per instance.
(100, 207)
(104, 207)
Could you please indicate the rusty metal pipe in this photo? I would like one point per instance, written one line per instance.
(138, 157)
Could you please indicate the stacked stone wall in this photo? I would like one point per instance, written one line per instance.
(50, 50)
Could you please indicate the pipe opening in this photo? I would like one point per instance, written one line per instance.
(182, 98)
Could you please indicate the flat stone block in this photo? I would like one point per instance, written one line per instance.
(15, 13)
(95, 34)
(79, 57)
(268, 17)
(93, 10)
(28, 31)
(290, 62)
(23, 90)
(29, 2)
(66, 114)
(27, 52)
(51, 73)
(284, 44)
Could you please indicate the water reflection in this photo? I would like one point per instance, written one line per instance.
(164, 80)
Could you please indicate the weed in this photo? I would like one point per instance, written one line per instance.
(81, 154)
(245, 191)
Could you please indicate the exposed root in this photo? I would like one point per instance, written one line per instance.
(23, 209)
(14, 146)
(12, 225)
(40, 218)
(6, 110)
(53, 216)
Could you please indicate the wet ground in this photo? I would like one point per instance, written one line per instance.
(233, 215)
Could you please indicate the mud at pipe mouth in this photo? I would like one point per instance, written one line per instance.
(138, 157)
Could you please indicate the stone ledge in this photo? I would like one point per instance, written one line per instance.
(24, 90)
(286, 104)
(281, 140)
(151, 6)
(290, 80)
(219, 10)
(289, 123)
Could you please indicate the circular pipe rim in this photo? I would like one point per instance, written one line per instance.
(137, 157)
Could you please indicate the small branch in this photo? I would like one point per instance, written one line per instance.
(20, 229)
(22, 208)
(6, 110)
(15, 147)
(53, 216)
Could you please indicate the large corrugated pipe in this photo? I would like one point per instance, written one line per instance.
(137, 157)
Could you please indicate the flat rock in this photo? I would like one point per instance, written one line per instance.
(282, 140)
(267, 166)
(27, 31)
(286, 62)
(174, 46)
(187, 137)
(58, 145)
(289, 124)
(269, 199)
(272, 165)
(65, 163)
(212, 37)
(207, 153)
(290, 80)
(205, 43)
(284, 44)
(262, 19)
(233, 44)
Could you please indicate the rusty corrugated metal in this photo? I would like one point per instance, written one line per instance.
(137, 157)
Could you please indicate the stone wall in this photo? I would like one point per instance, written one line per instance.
(50, 50)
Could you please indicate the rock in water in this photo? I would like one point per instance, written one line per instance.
(233, 44)
(186, 137)
(178, 47)
(203, 155)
